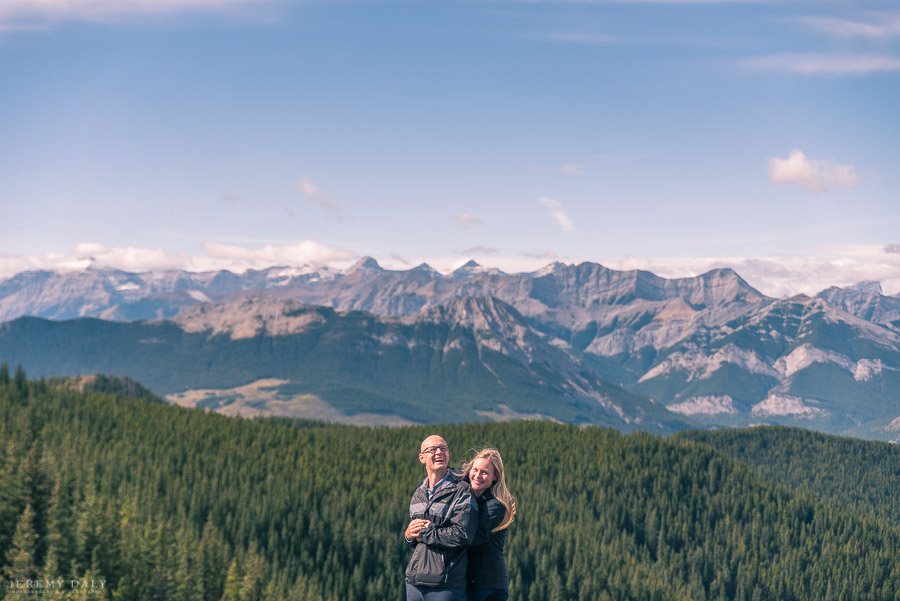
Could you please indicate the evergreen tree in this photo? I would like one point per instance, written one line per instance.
(21, 560)
(233, 582)
(59, 530)
(20, 380)
(214, 562)
(10, 490)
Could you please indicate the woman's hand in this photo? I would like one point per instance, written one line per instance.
(415, 526)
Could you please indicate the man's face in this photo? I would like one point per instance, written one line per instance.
(434, 454)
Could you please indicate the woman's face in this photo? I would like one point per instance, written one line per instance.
(481, 475)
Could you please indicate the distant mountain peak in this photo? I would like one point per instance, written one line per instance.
(473, 268)
(721, 273)
(867, 287)
(425, 268)
(550, 268)
(800, 298)
(365, 264)
(469, 266)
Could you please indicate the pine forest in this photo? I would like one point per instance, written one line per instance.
(107, 493)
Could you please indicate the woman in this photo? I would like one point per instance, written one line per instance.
(487, 579)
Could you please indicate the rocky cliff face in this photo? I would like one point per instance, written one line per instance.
(800, 361)
(866, 301)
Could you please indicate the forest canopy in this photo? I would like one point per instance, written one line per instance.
(160, 502)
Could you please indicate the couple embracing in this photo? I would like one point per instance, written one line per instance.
(457, 528)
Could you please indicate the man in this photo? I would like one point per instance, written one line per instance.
(444, 519)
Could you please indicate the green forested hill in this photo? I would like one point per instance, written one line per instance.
(861, 475)
(160, 502)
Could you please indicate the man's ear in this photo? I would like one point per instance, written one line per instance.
(421, 458)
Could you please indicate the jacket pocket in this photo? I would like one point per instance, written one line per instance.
(427, 567)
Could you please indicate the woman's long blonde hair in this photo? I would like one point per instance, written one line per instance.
(498, 488)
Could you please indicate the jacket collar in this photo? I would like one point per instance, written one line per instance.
(450, 479)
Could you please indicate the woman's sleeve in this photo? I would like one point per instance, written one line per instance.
(490, 516)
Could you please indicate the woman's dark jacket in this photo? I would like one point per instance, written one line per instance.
(487, 568)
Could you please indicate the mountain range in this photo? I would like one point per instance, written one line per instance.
(576, 343)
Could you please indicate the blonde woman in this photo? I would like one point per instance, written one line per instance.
(486, 576)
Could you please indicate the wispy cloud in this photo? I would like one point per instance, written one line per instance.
(307, 252)
(556, 211)
(129, 258)
(578, 37)
(477, 251)
(878, 26)
(815, 175)
(569, 169)
(218, 256)
(825, 64)
(646, 1)
(465, 221)
(312, 192)
(548, 256)
(25, 13)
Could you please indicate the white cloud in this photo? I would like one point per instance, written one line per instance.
(50, 11)
(833, 64)
(218, 256)
(878, 26)
(816, 175)
(477, 251)
(129, 258)
(316, 195)
(556, 211)
(307, 252)
(465, 221)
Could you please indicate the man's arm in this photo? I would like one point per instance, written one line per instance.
(412, 531)
(460, 529)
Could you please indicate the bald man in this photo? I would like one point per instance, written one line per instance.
(443, 520)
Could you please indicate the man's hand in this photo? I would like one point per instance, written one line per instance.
(415, 526)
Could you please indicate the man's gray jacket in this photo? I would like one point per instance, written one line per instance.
(439, 554)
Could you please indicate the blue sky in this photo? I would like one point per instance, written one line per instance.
(668, 136)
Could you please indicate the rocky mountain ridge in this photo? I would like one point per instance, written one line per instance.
(710, 348)
(471, 359)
